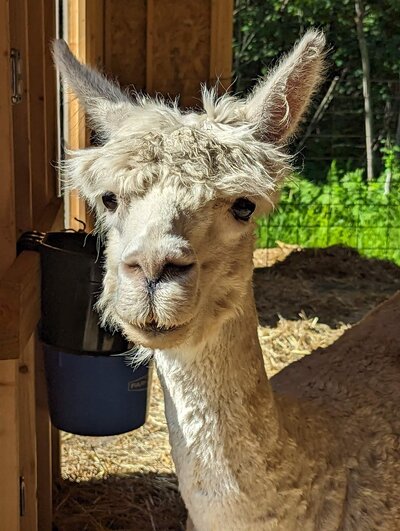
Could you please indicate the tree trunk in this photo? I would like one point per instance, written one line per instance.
(362, 43)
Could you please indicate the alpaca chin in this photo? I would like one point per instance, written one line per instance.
(158, 339)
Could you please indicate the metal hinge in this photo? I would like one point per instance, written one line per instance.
(22, 496)
(16, 76)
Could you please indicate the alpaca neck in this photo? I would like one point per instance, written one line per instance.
(215, 394)
(244, 458)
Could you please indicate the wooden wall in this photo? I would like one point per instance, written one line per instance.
(157, 46)
(169, 46)
(125, 41)
(27, 201)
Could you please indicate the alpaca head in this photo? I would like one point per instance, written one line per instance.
(176, 193)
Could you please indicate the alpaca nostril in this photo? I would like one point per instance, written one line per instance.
(172, 269)
(169, 271)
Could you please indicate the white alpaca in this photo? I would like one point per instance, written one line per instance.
(175, 196)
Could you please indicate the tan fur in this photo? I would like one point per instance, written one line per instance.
(249, 456)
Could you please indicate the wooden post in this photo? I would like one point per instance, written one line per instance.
(29, 130)
(9, 443)
(43, 438)
(36, 107)
(9, 454)
(76, 116)
(50, 99)
(27, 439)
(85, 38)
(7, 210)
(20, 111)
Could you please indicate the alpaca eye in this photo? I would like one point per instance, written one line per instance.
(242, 209)
(110, 201)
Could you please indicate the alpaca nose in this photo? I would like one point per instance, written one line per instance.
(158, 266)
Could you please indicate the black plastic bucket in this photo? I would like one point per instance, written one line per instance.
(95, 395)
(91, 389)
(72, 273)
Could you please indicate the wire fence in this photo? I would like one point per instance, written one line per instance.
(331, 202)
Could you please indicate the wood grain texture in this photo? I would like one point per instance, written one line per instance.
(9, 446)
(43, 443)
(27, 434)
(125, 41)
(95, 32)
(20, 292)
(77, 133)
(50, 98)
(221, 43)
(7, 211)
(178, 48)
(55, 445)
(19, 304)
(85, 38)
(21, 130)
(36, 107)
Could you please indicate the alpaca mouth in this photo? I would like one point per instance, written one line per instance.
(154, 326)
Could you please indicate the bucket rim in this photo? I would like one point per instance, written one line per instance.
(99, 251)
(93, 354)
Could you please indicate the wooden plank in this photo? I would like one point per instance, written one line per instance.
(27, 435)
(95, 32)
(150, 47)
(21, 137)
(19, 304)
(77, 133)
(7, 213)
(20, 292)
(9, 444)
(37, 107)
(55, 445)
(221, 45)
(9, 456)
(52, 217)
(178, 48)
(43, 441)
(50, 98)
(125, 41)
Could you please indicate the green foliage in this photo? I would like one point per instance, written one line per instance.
(336, 206)
(343, 209)
(264, 29)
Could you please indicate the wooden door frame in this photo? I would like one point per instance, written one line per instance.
(24, 419)
(85, 36)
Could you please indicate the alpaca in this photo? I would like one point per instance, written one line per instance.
(176, 195)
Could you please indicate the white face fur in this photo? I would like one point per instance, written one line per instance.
(176, 194)
(174, 267)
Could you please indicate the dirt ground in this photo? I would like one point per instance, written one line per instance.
(306, 299)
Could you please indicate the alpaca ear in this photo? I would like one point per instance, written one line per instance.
(278, 103)
(104, 101)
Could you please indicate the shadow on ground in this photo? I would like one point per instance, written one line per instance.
(137, 502)
(335, 284)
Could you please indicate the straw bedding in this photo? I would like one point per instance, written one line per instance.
(306, 299)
